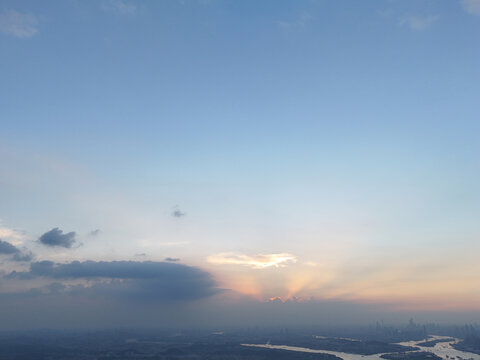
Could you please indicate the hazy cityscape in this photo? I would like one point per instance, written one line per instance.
(409, 341)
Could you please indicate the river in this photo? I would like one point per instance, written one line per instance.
(441, 349)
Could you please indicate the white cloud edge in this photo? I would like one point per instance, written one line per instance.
(259, 261)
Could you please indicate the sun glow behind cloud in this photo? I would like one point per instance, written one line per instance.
(260, 261)
(389, 280)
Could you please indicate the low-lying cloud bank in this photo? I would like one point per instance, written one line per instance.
(121, 280)
(99, 294)
(122, 304)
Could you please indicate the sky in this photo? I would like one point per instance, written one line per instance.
(207, 159)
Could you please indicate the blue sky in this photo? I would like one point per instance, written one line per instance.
(340, 134)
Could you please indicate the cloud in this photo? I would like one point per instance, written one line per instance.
(120, 7)
(172, 259)
(177, 212)
(23, 256)
(94, 232)
(18, 24)
(56, 237)
(471, 6)
(147, 280)
(63, 306)
(7, 248)
(107, 269)
(418, 22)
(259, 261)
(17, 255)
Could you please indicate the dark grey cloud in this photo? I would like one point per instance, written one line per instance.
(56, 237)
(7, 248)
(23, 256)
(16, 254)
(19, 275)
(147, 280)
(172, 259)
(112, 269)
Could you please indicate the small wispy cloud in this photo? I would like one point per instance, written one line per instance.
(418, 22)
(471, 6)
(260, 261)
(18, 24)
(94, 232)
(300, 22)
(177, 212)
(120, 7)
